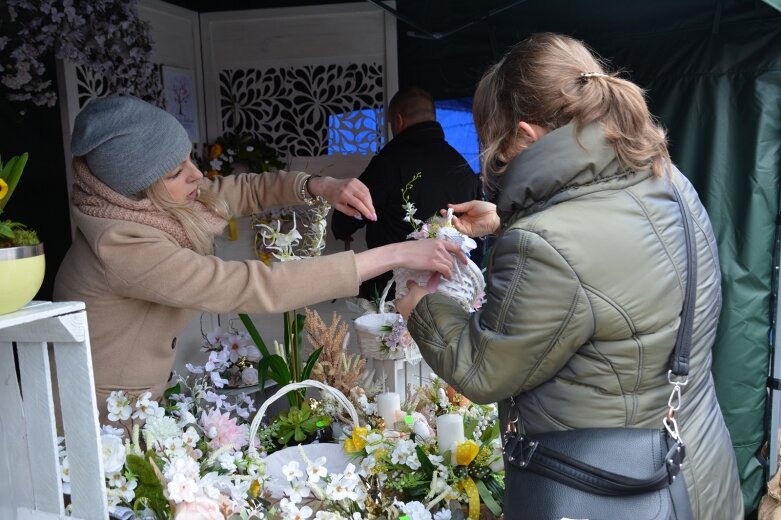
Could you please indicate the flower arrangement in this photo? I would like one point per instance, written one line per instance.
(233, 357)
(13, 234)
(287, 363)
(173, 459)
(106, 36)
(467, 283)
(410, 465)
(278, 236)
(233, 149)
(396, 341)
(190, 454)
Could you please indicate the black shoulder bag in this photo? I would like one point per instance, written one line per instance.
(607, 473)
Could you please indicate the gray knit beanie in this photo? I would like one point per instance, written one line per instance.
(128, 143)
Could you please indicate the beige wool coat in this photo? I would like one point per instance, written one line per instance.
(141, 287)
(585, 290)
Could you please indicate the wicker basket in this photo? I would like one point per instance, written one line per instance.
(465, 285)
(336, 458)
(372, 328)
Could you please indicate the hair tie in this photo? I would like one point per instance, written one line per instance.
(592, 75)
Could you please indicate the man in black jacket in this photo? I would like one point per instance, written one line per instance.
(418, 145)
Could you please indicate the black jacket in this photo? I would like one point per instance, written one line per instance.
(446, 178)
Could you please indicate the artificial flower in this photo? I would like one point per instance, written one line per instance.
(466, 452)
(113, 452)
(201, 508)
(223, 430)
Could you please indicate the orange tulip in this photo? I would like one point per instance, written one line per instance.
(215, 151)
(455, 398)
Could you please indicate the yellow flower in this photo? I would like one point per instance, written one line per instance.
(3, 189)
(358, 441)
(215, 151)
(254, 489)
(466, 452)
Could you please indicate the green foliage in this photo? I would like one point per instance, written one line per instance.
(244, 149)
(13, 234)
(489, 498)
(299, 424)
(288, 369)
(149, 491)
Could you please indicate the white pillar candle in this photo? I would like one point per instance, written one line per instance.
(388, 403)
(450, 431)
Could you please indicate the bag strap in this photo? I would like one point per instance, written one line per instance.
(529, 454)
(679, 360)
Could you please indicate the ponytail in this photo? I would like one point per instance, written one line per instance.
(553, 80)
(639, 142)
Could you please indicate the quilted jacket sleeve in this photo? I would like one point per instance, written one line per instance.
(536, 316)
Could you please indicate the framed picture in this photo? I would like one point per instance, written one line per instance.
(179, 90)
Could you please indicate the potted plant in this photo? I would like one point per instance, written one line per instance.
(22, 262)
(302, 425)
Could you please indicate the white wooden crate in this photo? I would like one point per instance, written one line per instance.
(30, 486)
(399, 373)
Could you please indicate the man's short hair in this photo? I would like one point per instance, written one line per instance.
(413, 103)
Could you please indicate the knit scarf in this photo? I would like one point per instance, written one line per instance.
(94, 198)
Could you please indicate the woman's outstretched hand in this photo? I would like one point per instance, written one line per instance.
(430, 254)
(476, 218)
(350, 196)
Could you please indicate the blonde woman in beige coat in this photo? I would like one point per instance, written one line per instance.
(145, 219)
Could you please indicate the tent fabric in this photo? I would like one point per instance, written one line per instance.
(774, 3)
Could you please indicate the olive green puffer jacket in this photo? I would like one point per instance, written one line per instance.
(585, 289)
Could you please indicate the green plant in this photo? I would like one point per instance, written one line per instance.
(13, 234)
(299, 423)
(289, 367)
(255, 155)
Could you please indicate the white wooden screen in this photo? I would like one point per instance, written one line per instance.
(280, 73)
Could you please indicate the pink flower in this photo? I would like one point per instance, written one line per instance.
(201, 508)
(223, 430)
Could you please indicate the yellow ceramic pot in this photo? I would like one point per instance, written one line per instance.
(21, 275)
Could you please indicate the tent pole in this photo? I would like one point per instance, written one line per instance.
(774, 384)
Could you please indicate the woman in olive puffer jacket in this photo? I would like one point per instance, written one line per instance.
(587, 275)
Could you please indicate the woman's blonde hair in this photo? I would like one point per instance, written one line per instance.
(552, 80)
(193, 222)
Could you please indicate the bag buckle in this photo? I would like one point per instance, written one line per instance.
(528, 447)
(512, 442)
(674, 459)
